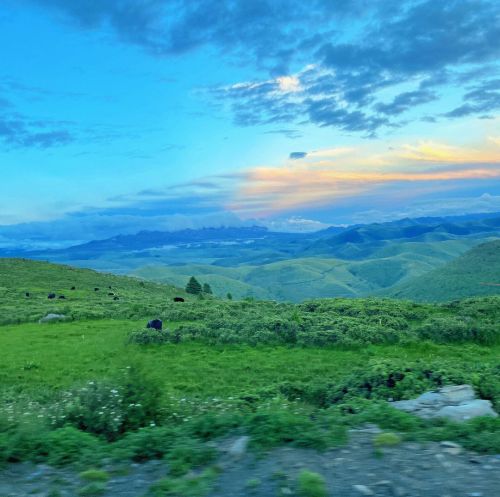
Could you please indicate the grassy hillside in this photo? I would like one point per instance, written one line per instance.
(86, 392)
(117, 296)
(477, 272)
(315, 277)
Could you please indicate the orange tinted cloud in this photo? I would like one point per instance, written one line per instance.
(324, 177)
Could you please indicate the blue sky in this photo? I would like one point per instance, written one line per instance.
(152, 114)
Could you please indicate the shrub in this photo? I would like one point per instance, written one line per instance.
(68, 445)
(149, 336)
(311, 484)
(387, 439)
(111, 409)
(145, 444)
(187, 453)
(185, 487)
(94, 475)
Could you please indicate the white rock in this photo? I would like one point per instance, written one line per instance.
(52, 317)
(456, 394)
(363, 490)
(239, 446)
(466, 411)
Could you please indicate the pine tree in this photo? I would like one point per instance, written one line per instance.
(229, 296)
(193, 286)
(207, 288)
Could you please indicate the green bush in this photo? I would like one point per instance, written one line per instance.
(452, 329)
(149, 336)
(187, 453)
(145, 444)
(111, 408)
(310, 484)
(68, 445)
(387, 439)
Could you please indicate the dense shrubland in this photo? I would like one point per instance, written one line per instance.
(329, 322)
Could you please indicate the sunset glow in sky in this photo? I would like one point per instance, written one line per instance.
(123, 115)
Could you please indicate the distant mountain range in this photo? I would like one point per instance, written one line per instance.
(380, 258)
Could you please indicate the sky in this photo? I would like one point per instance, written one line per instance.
(125, 115)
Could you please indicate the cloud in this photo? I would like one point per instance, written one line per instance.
(18, 131)
(482, 98)
(267, 32)
(411, 52)
(297, 155)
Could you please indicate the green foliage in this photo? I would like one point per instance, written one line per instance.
(68, 445)
(149, 336)
(458, 329)
(272, 427)
(193, 286)
(92, 489)
(192, 486)
(145, 444)
(94, 475)
(310, 484)
(135, 299)
(207, 288)
(387, 439)
(187, 453)
(110, 409)
(475, 273)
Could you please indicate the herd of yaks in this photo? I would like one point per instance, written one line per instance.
(52, 295)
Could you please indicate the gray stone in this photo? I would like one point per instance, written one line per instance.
(430, 398)
(451, 448)
(456, 394)
(363, 490)
(52, 317)
(239, 447)
(456, 402)
(463, 412)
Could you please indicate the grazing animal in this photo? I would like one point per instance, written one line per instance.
(73, 288)
(28, 294)
(110, 294)
(62, 297)
(178, 299)
(96, 289)
(156, 324)
(116, 298)
(51, 296)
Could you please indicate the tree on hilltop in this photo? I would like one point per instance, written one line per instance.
(207, 288)
(193, 286)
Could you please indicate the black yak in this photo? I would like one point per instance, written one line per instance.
(156, 324)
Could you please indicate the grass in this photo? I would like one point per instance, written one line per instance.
(78, 393)
(311, 484)
(98, 349)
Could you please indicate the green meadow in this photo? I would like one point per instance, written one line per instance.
(97, 385)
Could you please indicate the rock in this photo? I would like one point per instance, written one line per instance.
(286, 491)
(52, 317)
(469, 410)
(451, 448)
(456, 402)
(239, 447)
(456, 394)
(363, 490)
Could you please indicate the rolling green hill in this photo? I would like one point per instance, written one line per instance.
(475, 273)
(298, 279)
(25, 285)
